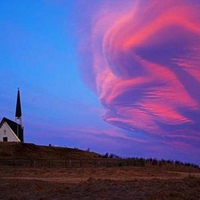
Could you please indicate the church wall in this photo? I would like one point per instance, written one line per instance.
(7, 134)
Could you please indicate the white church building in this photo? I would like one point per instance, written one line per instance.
(11, 131)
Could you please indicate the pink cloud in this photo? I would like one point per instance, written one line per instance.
(145, 65)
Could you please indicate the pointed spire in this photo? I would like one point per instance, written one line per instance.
(18, 112)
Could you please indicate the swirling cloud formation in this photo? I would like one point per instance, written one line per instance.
(145, 65)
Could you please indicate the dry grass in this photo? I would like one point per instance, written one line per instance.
(104, 183)
(98, 183)
(13, 150)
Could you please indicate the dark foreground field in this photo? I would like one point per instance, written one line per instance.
(32, 172)
(98, 183)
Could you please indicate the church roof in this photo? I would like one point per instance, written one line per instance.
(16, 128)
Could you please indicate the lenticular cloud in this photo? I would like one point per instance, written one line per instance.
(145, 62)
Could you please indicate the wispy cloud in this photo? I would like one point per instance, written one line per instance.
(144, 59)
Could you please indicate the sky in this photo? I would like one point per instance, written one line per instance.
(116, 76)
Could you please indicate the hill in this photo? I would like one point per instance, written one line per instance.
(31, 155)
(29, 171)
(13, 150)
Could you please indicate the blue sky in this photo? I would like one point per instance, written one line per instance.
(38, 55)
(104, 75)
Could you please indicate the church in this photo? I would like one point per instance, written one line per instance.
(13, 131)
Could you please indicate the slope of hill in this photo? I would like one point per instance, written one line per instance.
(13, 150)
(31, 155)
(48, 175)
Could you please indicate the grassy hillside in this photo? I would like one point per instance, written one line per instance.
(43, 172)
(25, 154)
(13, 150)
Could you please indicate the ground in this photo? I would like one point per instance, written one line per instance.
(98, 183)
(32, 172)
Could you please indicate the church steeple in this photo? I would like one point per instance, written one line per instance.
(18, 112)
